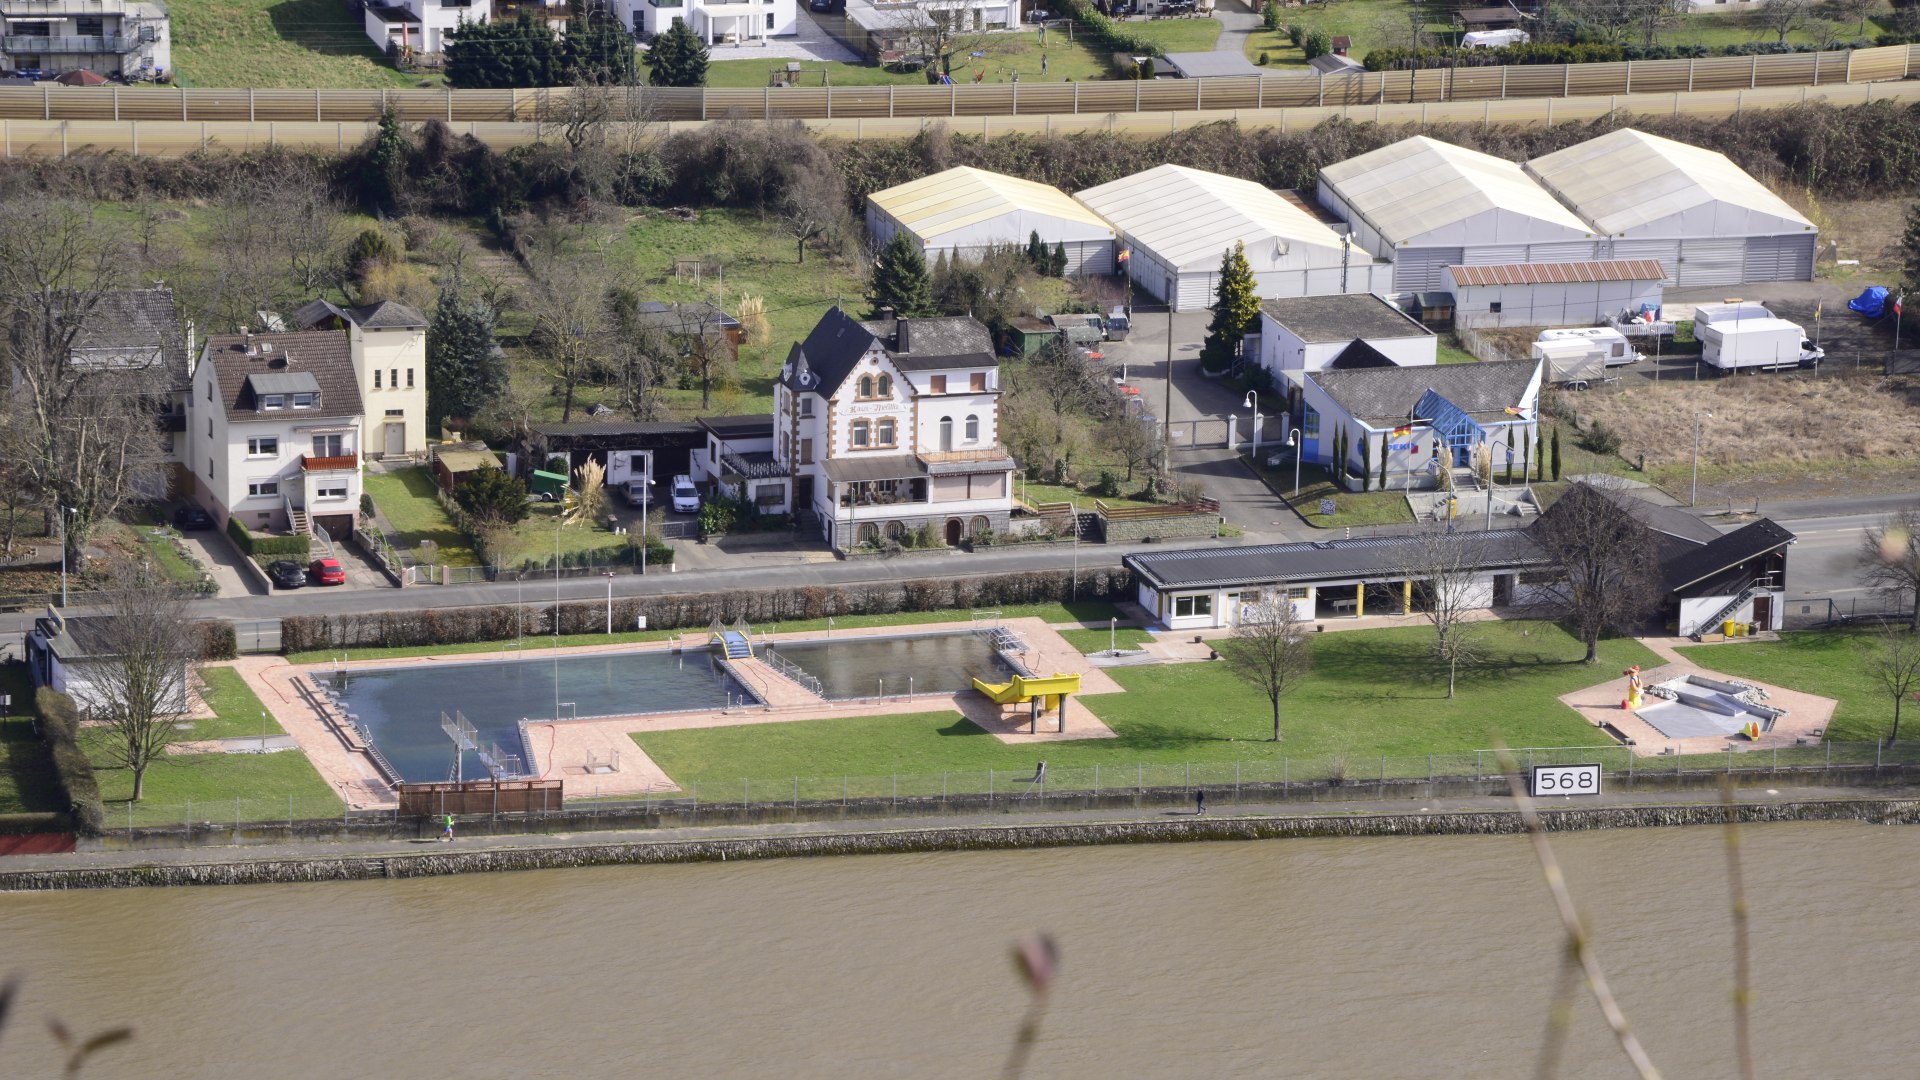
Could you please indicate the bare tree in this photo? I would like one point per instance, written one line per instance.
(1616, 20)
(567, 300)
(70, 434)
(1068, 383)
(1605, 563)
(1446, 571)
(937, 31)
(814, 207)
(1892, 662)
(1269, 647)
(1889, 561)
(1782, 17)
(1850, 11)
(136, 681)
(1134, 440)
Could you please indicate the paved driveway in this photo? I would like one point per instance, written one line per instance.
(219, 556)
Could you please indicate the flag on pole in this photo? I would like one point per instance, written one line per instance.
(1515, 410)
(1125, 254)
(1404, 429)
(1817, 309)
(1897, 301)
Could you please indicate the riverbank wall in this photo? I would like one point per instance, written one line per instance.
(437, 861)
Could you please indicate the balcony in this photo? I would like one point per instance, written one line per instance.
(978, 459)
(16, 9)
(64, 46)
(752, 465)
(341, 463)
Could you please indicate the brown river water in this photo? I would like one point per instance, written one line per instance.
(1369, 958)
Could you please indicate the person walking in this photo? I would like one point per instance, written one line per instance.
(1043, 58)
(1200, 802)
(1040, 774)
(446, 828)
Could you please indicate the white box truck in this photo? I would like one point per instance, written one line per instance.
(1755, 343)
(1612, 344)
(1572, 363)
(1728, 311)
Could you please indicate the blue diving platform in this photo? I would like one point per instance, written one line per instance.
(734, 642)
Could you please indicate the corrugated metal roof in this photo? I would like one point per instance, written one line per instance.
(1304, 563)
(1558, 273)
(963, 196)
(1420, 184)
(1188, 217)
(1627, 178)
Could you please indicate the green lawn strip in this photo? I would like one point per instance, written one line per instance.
(1823, 662)
(405, 497)
(1093, 641)
(1084, 611)
(1036, 494)
(1449, 355)
(27, 782)
(263, 784)
(279, 43)
(1177, 35)
(1009, 53)
(545, 530)
(237, 710)
(1350, 507)
(1372, 693)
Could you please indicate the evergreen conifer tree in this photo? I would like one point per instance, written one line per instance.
(1236, 308)
(899, 280)
(1366, 462)
(1036, 252)
(1384, 455)
(1556, 452)
(598, 49)
(465, 368)
(677, 58)
(1057, 262)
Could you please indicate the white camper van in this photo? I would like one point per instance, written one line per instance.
(1612, 344)
(1493, 39)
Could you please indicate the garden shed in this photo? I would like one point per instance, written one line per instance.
(1176, 224)
(964, 211)
(1706, 219)
(450, 467)
(1428, 205)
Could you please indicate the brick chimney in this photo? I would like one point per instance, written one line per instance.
(902, 335)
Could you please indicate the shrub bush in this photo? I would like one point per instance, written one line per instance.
(1108, 34)
(60, 726)
(268, 548)
(1601, 439)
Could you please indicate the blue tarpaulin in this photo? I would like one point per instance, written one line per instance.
(1872, 303)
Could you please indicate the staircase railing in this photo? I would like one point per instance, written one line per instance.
(1745, 595)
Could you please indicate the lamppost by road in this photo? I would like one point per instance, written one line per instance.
(1253, 402)
(609, 603)
(1299, 447)
(1693, 499)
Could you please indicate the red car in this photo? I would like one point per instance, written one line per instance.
(328, 572)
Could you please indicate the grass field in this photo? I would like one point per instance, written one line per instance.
(1372, 693)
(1094, 641)
(1823, 662)
(1009, 54)
(1177, 35)
(27, 782)
(1350, 507)
(405, 497)
(237, 711)
(278, 43)
(1090, 612)
(535, 539)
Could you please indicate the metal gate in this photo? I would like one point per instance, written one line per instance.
(1712, 262)
(1196, 290)
(256, 635)
(1423, 269)
(1779, 258)
(1197, 434)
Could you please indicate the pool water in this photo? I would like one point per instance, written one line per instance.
(864, 667)
(401, 707)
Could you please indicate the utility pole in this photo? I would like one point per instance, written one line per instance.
(1166, 415)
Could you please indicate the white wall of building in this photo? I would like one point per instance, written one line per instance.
(713, 22)
(1695, 612)
(391, 365)
(1577, 303)
(1283, 350)
(230, 459)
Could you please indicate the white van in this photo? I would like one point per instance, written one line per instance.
(686, 497)
(1605, 338)
(1493, 39)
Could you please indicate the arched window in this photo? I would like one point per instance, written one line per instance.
(886, 386)
(886, 432)
(896, 530)
(973, 429)
(946, 433)
(862, 433)
(979, 526)
(866, 386)
(867, 533)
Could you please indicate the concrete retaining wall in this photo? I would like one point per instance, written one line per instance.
(1169, 527)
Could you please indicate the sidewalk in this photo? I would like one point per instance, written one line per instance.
(222, 559)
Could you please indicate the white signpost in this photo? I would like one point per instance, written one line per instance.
(1564, 780)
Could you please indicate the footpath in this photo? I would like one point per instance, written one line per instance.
(428, 856)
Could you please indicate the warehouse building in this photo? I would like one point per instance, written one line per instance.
(1427, 205)
(964, 211)
(1553, 294)
(1176, 224)
(1702, 216)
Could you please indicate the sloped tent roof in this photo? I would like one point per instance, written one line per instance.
(950, 202)
(1628, 183)
(1420, 186)
(1187, 217)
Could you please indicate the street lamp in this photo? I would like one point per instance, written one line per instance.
(609, 602)
(1694, 498)
(1253, 402)
(1294, 440)
(64, 511)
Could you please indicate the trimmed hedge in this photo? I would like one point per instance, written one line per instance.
(276, 547)
(60, 726)
(218, 641)
(1400, 58)
(500, 622)
(1109, 34)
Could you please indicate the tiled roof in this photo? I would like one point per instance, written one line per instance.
(133, 323)
(1479, 390)
(1666, 520)
(838, 341)
(385, 315)
(322, 353)
(1558, 273)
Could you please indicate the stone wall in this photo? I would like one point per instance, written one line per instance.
(1172, 526)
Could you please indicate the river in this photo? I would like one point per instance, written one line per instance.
(1427, 957)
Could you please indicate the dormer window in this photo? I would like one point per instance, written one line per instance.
(305, 401)
(269, 402)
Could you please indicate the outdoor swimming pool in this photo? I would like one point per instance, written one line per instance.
(864, 667)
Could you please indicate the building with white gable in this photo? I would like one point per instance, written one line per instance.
(964, 211)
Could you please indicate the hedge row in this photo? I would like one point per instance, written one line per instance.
(60, 725)
(501, 622)
(1400, 58)
(1109, 34)
(218, 641)
(278, 546)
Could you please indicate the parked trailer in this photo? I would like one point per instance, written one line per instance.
(1755, 343)
(1572, 363)
(1630, 325)
(1612, 344)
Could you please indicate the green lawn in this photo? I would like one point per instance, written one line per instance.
(405, 496)
(1448, 354)
(1036, 494)
(1090, 612)
(1177, 35)
(1009, 53)
(26, 771)
(1093, 641)
(237, 710)
(1350, 507)
(1360, 21)
(534, 540)
(1823, 662)
(1372, 693)
(278, 43)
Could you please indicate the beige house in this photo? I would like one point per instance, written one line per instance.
(389, 343)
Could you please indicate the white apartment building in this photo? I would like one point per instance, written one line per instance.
(48, 38)
(389, 344)
(886, 426)
(275, 424)
(716, 22)
(424, 26)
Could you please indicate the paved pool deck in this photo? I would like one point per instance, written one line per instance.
(1601, 704)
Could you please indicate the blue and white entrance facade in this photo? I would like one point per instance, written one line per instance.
(1420, 421)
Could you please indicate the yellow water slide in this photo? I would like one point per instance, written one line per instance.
(1025, 688)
